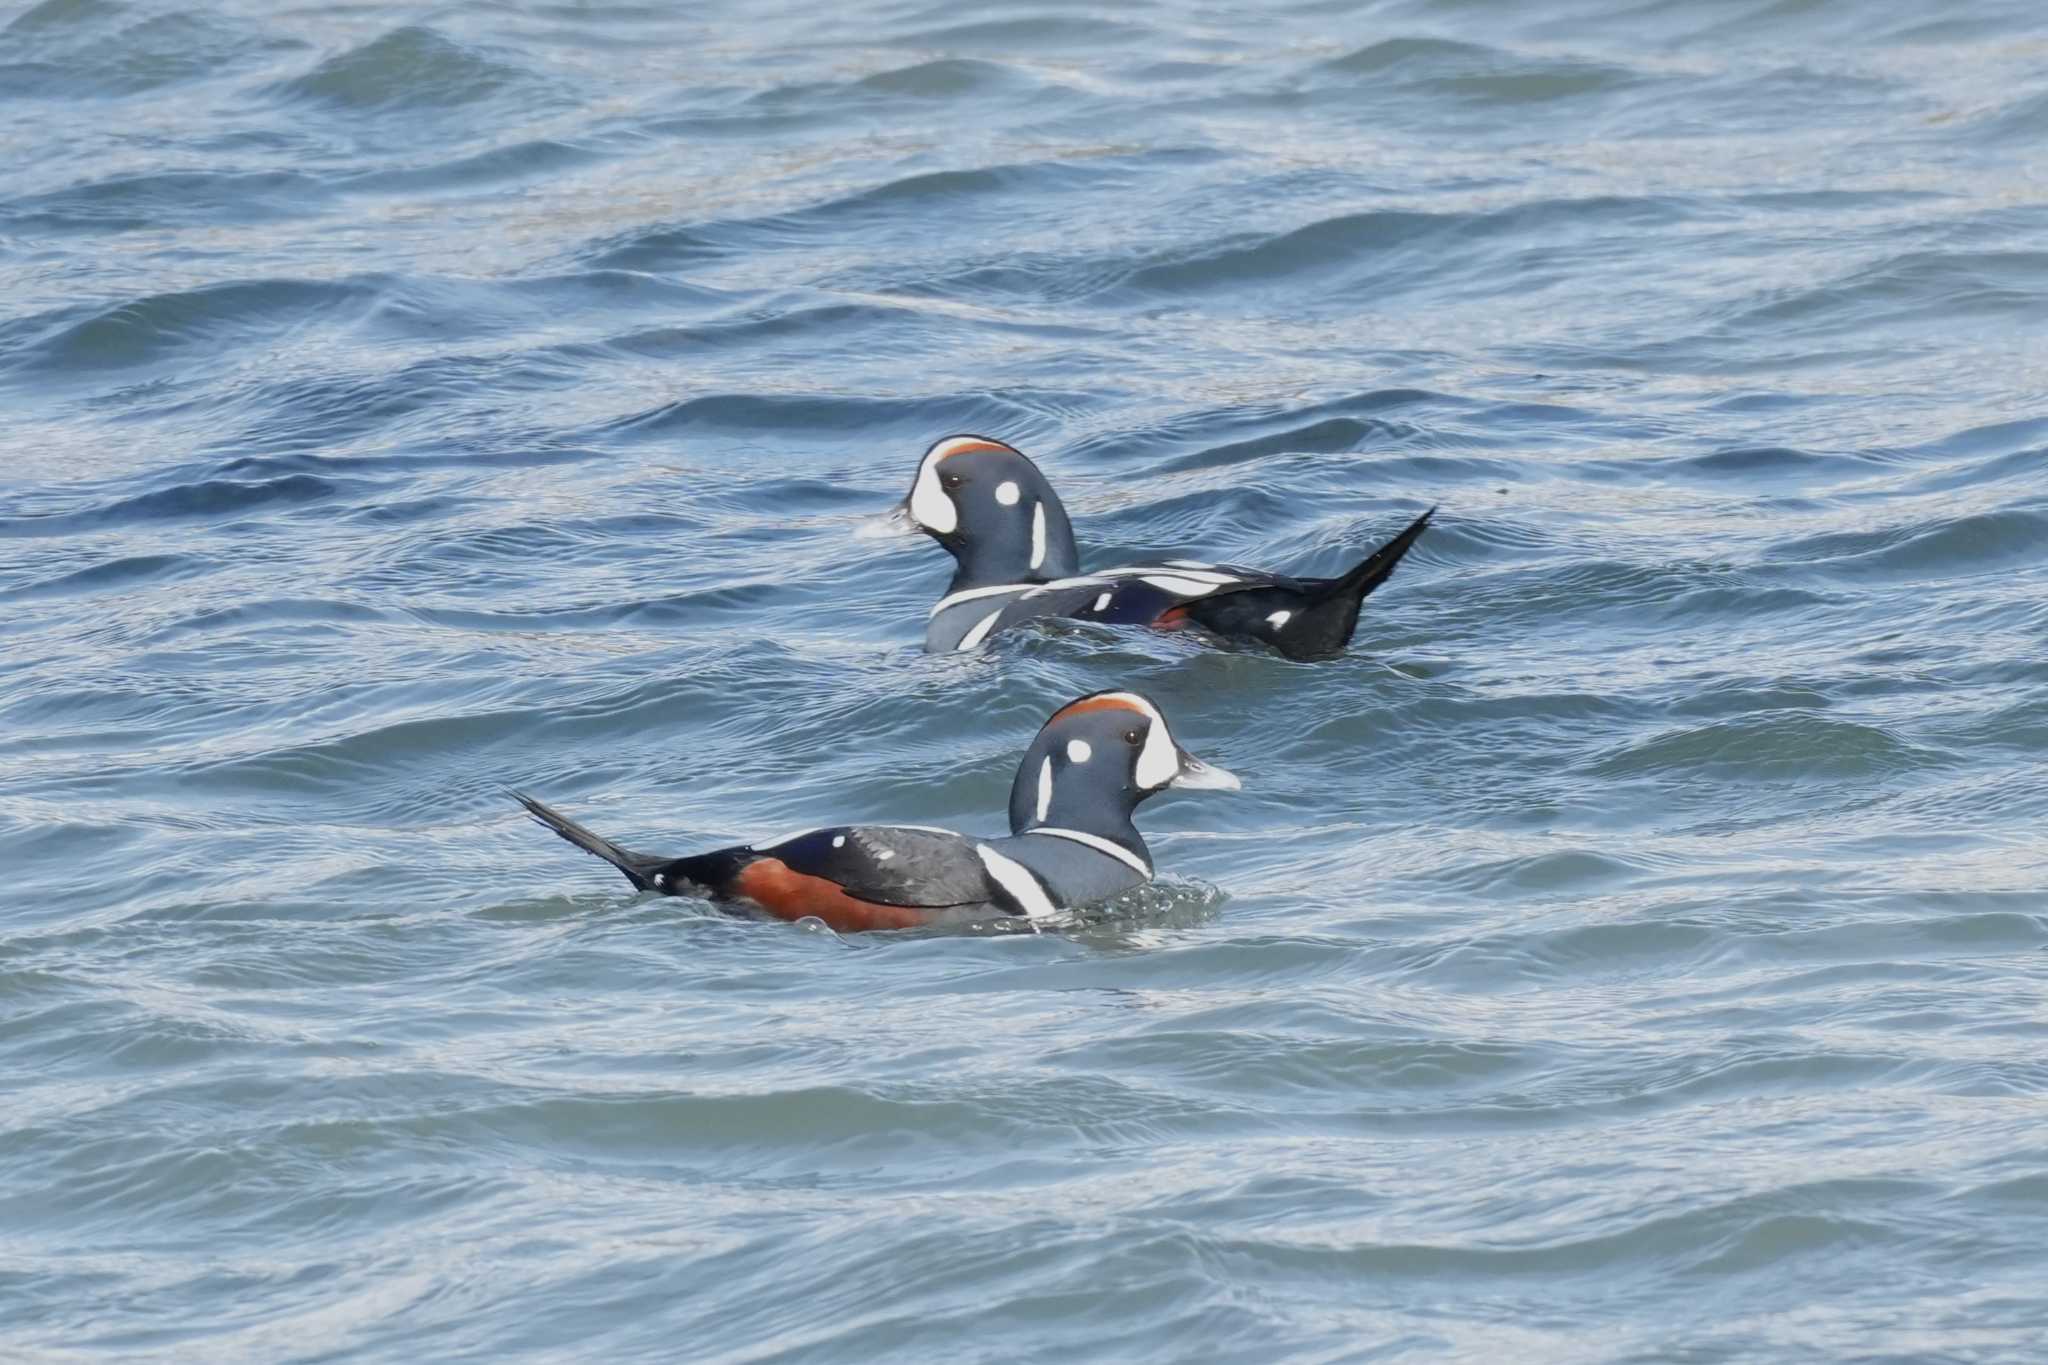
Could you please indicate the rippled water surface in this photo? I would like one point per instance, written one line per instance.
(1632, 950)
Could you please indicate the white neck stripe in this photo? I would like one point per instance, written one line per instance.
(970, 594)
(1099, 844)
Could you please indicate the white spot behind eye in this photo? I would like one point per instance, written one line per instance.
(1159, 760)
(1078, 751)
(1006, 492)
(839, 841)
(1279, 619)
(1037, 534)
(1102, 602)
(1044, 788)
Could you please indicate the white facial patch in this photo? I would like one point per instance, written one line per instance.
(1158, 764)
(1159, 760)
(1102, 601)
(1037, 532)
(1044, 788)
(929, 505)
(1079, 751)
(839, 841)
(1279, 619)
(1007, 493)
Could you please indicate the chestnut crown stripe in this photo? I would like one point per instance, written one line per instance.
(1158, 761)
(968, 445)
(1103, 701)
(929, 504)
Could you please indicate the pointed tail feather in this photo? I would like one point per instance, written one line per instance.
(638, 867)
(1378, 566)
(1324, 625)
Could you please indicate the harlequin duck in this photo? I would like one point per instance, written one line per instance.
(994, 512)
(1071, 837)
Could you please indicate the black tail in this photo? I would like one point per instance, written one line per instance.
(1377, 567)
(1303, 618)
(638, 867)
(1324, 625)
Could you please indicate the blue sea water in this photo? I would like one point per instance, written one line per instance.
(1634, 949)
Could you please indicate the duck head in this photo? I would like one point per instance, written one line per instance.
(993, 511)
(1095, 759)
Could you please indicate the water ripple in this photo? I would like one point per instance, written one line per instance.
(1631, 949)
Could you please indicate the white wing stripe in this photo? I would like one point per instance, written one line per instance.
(1186, 582)
(1216, 576)
(1188, 587)
(767, 845)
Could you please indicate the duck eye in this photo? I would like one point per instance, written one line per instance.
(1130, 736)
(951, 480)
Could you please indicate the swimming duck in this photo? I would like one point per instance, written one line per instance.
(1071, 838)
(1015, 560)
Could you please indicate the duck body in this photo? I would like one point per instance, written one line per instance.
(1071, 842)
(990, 507)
